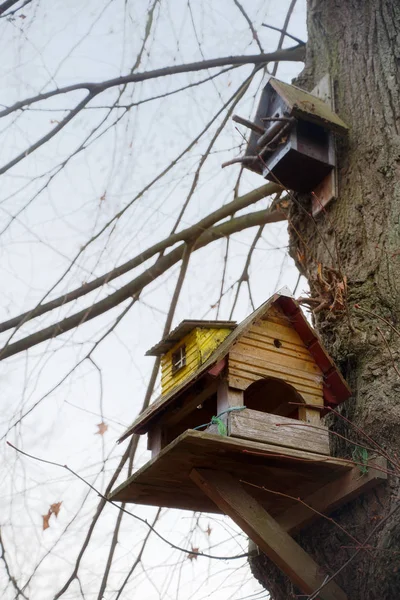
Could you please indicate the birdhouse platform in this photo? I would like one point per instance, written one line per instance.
(275, 476)
(237, 430)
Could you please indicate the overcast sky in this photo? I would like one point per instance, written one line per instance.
(51, 204)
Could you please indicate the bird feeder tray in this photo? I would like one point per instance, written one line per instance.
(165, 480)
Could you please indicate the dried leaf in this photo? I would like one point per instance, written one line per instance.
(208, 530)
(194, 555)
(103, 197)
(102, 428)
(55, 508)
(46, 519)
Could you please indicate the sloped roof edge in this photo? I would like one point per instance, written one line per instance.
(183, 329)
(336, 389)
(306, 105)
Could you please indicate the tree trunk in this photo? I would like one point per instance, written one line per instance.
(358, 43)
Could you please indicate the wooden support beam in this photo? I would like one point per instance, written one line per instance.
(227, 397)
(245, 511)
(155, 440)
(333, 495)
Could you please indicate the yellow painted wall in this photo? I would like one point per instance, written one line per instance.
(200, 343)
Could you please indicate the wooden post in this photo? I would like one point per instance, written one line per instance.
(310, 415)
(155, 440)
(245, 511)
(227, 397)
(333, 495)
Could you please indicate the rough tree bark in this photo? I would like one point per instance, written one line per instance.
(358, 42)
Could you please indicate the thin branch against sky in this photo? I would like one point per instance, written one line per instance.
(99, 197)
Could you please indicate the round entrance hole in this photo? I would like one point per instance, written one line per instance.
(277, 343)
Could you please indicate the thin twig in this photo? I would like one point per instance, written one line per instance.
(108, 501)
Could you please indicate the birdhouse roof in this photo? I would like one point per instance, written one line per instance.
(182, 330)
(335, 387)
(306, 106)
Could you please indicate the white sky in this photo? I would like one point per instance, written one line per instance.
(44, 222)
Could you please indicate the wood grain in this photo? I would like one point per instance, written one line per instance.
(281, 431)
(265, 531)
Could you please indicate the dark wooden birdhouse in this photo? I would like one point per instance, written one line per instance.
(292, 139)
(237, 430)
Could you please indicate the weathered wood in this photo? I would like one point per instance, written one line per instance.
(227, 397)
(287, 470)
(155, 440)
(333, 495)
(310, 415)
(272, 429)
(277, 362)
(258, 524)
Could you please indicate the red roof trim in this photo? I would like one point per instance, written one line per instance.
(335, 387)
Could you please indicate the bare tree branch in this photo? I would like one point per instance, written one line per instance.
(295, 53)
(134, 287)
(7, 567)
(186, 235)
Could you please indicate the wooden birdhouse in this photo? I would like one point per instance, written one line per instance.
(292, 139)
(237, 430)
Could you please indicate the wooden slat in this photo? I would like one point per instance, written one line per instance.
(161, 481)
(281, 431)
(275, 362)
(282, 355)
(266, 342)
(253, 372)
(282, 332)
(333, 495)
(258, 524)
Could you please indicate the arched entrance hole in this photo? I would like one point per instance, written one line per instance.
(273, 396)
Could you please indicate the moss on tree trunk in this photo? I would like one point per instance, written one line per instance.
(358, 43)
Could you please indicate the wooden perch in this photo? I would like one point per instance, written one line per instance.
(253, 126)
(240, 159)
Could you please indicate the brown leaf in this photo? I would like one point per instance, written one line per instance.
(55, 508)
(102, 428)
(208, 530)
(46, 519)
(192, 555)
(103, 197)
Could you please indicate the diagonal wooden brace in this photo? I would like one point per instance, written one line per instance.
(245, 511)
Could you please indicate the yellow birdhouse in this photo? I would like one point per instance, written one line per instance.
(237, 430)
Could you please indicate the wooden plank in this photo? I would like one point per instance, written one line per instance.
(263, 341)
(333, 495)
(254, 372)
(276, 362)
(263, 427)
(287, 470)
(283, 332)
(257, 523)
